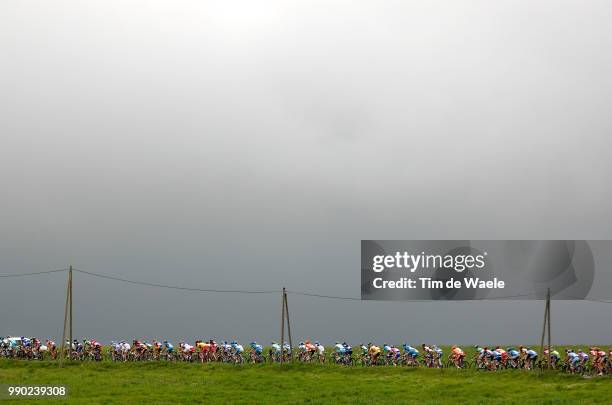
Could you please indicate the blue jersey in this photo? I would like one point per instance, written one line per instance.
(411, 350)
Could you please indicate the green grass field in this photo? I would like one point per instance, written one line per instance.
(108, 382)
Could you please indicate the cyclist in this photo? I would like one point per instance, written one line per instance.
(502, 355)
(572, 359)
(411, 352)
(237, 347)
(374, 352)
(320, 351)
(275, 351)
(554, 356)
(52, 348)
(348, 348)
(275, 346)
(488, 358)
(339, 347)
(428, 355)
(387, 351)
(599, 359)
(458, 356)
(438, 356)
(114, 350)
(41, 349)
(396, 355)
(138, 347)
(531, 356)
(363, 352)
(78, 346)
(157, 349)
(287, 348)
(310, 348)
(497, 356)
(226, 348)
(236, 351)
(584, 357)
(513, 355)
(478, 355)
(392, 353)
(301, 350)
(258, 349)
(256, 352)
(125, 350)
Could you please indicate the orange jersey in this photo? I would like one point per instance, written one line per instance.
(458, 352)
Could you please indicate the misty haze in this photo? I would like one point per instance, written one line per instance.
(239, 145)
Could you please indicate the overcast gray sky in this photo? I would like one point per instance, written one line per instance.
(253, 144)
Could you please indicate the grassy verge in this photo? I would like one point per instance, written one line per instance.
(301, 383)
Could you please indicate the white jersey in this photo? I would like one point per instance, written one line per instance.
(321, 349)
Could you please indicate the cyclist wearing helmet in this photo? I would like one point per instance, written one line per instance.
(374, 352)
(256, 348)
(310, 347)
(237, 347)
(572, 359)
(458, 356)
(411, 351)
(513, 354)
